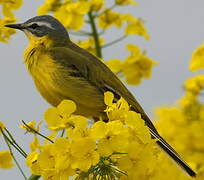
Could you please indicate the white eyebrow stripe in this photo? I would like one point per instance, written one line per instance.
(41, 23)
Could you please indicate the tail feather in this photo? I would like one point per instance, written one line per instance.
(172, 153)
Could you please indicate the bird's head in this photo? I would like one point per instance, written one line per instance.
(42, 26)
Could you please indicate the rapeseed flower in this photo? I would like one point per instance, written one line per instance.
(197, 60)
(112, 137)
(31, 126)
(110, 18)
(60, 117)
(137, 65)
(96, 5)
(5, 160)
(71, 14)
(135, 26)
(2, 126)
(194, 84)
(125, 2)
(84, 153)
(90, 150)
(6, 8)
(89, 45)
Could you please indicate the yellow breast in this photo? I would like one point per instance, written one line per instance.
(42, 67)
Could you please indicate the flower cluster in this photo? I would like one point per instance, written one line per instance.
(7, 8)
(5, 160)
(197, 60)
(116, 148)
(186, 120)
(88, 44)
(135, 67)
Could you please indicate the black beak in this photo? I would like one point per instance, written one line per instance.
(15, 26)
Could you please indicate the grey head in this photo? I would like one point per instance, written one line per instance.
(41, 26)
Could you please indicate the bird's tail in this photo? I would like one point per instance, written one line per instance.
(172, 153)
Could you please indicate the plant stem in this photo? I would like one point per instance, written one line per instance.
(18, 148)
(95, 34)
(80, 33)
(24, 155)
(15, 160)
(114, 41)
(63, 131)
(107, 9)
(34, 177)
(36, 132)
(14, 142)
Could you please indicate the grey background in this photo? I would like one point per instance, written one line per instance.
(176, 28)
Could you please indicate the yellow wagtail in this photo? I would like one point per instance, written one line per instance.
(62, 70)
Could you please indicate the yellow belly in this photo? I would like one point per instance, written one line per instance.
(88, 105)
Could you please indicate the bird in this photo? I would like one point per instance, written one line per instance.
(62, 70)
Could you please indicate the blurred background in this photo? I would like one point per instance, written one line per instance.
(176, 29)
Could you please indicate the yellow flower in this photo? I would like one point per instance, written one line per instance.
(115, 65)
(46, 159)
(48, 6)
(194, 84)
(5, 160)
(135, 26)
(62, 155)
(84, 153)
(108, 98)
(34, 145)
(2, 126)
(137, 127)
(125, 2)
(112, 137)
(96, 5)
(89, 44)
(189, 99)
(9, 6)
(115, 111)
(31, 126)
(32, 163)
(7, 17)
(197, 60)
(137, 65)
(110, 18)
(80, 131)
(60, 117)
(53, 160)
(71, 14)
(51, 174)
(5, 33)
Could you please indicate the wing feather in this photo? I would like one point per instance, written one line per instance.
(97, 74)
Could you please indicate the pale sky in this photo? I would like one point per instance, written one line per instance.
(176, 28)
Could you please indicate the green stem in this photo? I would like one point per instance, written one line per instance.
(108, 9)
(114, 41)
(15, 160)
(24, 155)
(36, 132)
(14, 145)
(34, 177)
(95, 34)
(80, 33)
(14, 142)
(63, 131)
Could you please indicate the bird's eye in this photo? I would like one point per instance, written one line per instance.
(34, 26)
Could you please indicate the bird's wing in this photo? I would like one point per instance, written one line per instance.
(97, 73)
